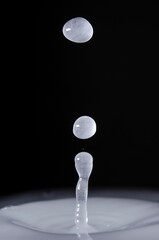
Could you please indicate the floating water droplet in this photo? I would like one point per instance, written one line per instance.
(78, 30)
(84, 127)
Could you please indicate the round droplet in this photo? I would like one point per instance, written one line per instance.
(78, 30)
(84, 127)
(84, 164)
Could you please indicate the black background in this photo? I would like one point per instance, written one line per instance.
(52, 81)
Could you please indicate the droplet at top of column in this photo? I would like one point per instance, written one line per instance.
(84, 164)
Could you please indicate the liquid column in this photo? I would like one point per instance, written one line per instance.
(83, 165)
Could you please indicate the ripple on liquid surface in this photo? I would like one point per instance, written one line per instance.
(105, 215)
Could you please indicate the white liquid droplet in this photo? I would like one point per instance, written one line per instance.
(84, 127)
(84, 165)
(78, 30)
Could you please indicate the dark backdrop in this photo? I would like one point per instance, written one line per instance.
(113, 78)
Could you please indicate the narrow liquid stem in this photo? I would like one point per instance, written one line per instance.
(83, 165)
(84, 236)
(81, 216)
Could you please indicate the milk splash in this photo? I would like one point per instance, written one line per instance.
(84, 165)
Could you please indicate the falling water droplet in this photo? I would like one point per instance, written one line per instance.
(78, 30)
(84, 127)
(83, 165)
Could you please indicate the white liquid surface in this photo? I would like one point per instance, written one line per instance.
(109, 218)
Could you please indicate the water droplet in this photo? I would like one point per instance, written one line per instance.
(84, 164)
(84, 127)
(78, 30)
